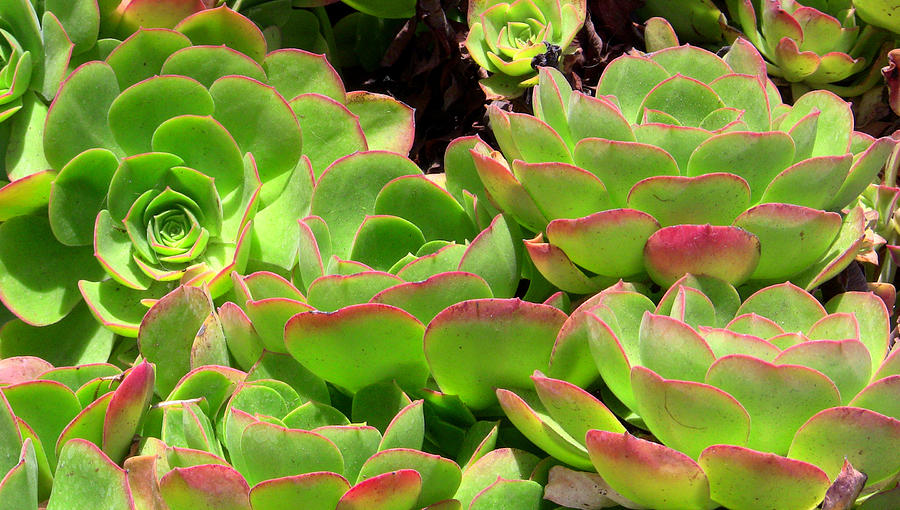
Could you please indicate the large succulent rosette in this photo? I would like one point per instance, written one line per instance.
(505, 37)
(177, 159)
(683, 162)
(818, 43)
(752, 405)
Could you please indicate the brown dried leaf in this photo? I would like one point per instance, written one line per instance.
(845, 489)
(587, 491)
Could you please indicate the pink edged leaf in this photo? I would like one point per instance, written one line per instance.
(75, 377)
(493, 255)
(555, 266)
(505, 191)
(744, 478)
(536, 141)
(33, 284)
(46, 406)
(840, 254)
(871, 317)
(724, 342)
(345, 193)
(27, 195)
(595, 117)
(691, 61)
(447, 504)
(756, 157)
(207, 64)
(810, 182)
(317, 491)
(547, 182)
(576, 410)
(205, 487)
(881, 397)
(609, 243)
(388, 124)
(126, 409)
(440, 476)
(355, 442)
(282, 367)
(462, 335)
(77, 339)
(673, 349)
(692, 307)
(331, 346)
(426, 298)
(168, 330)
(19, 486)
(864, 170)
(330, 131)
(532, 421)
(835, 123)
(10, 437)
(748, 94)
(754, 324)
(551, 100)
(406, 429)
(428, 206)
(524, 494)
(213, 383)
(789, 306)
(778, 398)
(507, 463)
(395, 490)
(269, 316)
(142, 54)
(571, 358)
(19, 369)
(270, 451)
(187, 457)
(673, 200)
(835, 326)
(84, 476)
(148, 14)
(846, 362)
(88, 425)
(864, 438)
(791, 237)
(222, 25)
(626, 462)
(688, 416)
(142, 481)
(728, 253)
(242, 103)
(890, 366)
(687, 99)
(293, 72)
(629, 79)
(140, 109)
(678, 141)
(381, 240)
(621, 165)
(77, 119)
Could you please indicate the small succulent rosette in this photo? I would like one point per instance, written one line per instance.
(746, 405)
(683, 162)
(179, 158)
(817, 43)
(505, 38)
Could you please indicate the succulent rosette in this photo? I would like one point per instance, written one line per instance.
(162, 176)
(612, 183)
(505, 37)
(753, 404)
(818, 43)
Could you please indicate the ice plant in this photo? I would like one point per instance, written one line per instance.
(508, 38)
(611, 184)
(160, 175)
(746, 400)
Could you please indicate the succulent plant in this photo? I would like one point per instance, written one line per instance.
(612, 183)
(505, 38)
(160, 175)
(695, 21)
(752, 404)
(817, 43)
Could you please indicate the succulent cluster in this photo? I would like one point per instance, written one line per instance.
(512, 39)
(225, 284)
(611, 184)
(775, 392)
